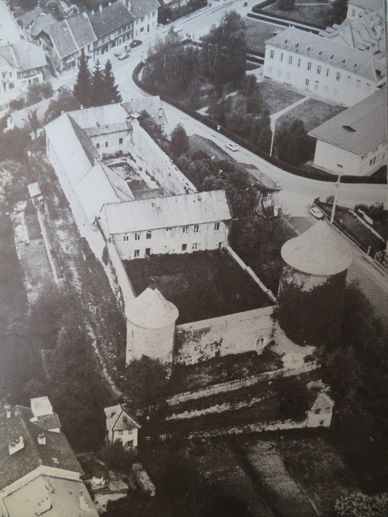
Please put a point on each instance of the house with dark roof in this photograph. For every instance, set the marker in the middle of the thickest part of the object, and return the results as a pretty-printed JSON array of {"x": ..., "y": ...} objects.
[
  {"x": 38, "y": 469},
  {"x": 121, "y": 426},
  {"x": 21, "y": 65},
  {"x": 355, "y": 141},
  {"x": 322, "y": 67}
]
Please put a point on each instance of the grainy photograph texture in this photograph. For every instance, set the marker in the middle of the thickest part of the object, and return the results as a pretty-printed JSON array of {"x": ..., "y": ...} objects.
[{"x": 193, "y": 258}]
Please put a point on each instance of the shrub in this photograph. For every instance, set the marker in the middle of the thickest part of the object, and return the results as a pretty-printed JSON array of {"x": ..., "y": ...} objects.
[
  {"x": 116, "y": 456},
  {"x": 285, "y": 5}
]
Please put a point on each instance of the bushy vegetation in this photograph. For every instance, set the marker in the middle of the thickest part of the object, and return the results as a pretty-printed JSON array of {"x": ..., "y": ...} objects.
[
  {"x": 115, "y": 456},
  {"x": 358, "y": 504},
  {"x": 146, "y": 380},
  {"x": 292, "y": 143}
]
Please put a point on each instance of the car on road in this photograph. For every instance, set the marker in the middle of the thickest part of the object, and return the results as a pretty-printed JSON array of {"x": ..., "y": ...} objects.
[
  {"x": 177, "y": 29},
  {"x": 231, "y": 147},
  {"x": 135, "y": 43},
  {"x": 316, "y": 212},
  {"x": 123, "y": 55}
]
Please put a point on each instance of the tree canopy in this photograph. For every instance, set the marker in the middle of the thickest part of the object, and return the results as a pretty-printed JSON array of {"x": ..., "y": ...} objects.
[
  {"x": 179, "y": 140},
  {"x": 110, "y": 88},
  {"x": 82, "y": 84},
  {"x": 292, "y": 143},
  {"x": 360, "y": 505},
  {"x": 97, "y": 88}
]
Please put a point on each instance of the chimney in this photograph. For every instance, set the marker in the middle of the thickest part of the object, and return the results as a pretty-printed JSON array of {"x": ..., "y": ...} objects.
[
  {"x": 42, "y": 439},
  {"x": 8, "y": 411},
  {"x": 83, "y": 504},
  {"x": 92, "y": 12},
  {"x": 16, "y": 446},
  {"x": 129, "y": 5},
  {"x": 43, "y": 507},
  {"x": 100, "y": 8}
]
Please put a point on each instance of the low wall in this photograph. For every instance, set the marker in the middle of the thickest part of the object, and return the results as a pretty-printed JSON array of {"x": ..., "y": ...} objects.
[{"x": 232, "y": 334}]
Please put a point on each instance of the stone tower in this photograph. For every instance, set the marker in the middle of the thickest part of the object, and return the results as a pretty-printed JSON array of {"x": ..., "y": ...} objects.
[
  {"x": 312, "y": 285},
  {"x": 150, "y": 326}
]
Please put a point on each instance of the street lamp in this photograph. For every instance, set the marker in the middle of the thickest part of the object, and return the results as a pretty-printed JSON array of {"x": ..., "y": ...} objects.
[
  {"x": 337, "y": 184},
  {"x": 273, "y": 125}
]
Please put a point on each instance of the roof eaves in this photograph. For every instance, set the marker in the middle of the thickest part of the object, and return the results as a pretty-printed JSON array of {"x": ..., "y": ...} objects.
[{"x": 72, "y": 35}]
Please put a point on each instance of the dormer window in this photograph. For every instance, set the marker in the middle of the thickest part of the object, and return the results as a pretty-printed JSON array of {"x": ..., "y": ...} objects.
[
  {"x": 331, "y": 57},
  {"x": 308, "y": 49},
  {"x": 343, "y": 61},
  {"x": 285, "y": 42},
  {"x": 355, "y": 65},
  {"x": 320, "y": 53},
  {"x": 296, "y": 45},
  {"x": 349, "y": 128}
]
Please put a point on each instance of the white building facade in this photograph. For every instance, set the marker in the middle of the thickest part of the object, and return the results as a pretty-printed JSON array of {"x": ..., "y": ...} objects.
[
  {"x": 318, "y": 66},
  {"x": 121, "y": 427}
]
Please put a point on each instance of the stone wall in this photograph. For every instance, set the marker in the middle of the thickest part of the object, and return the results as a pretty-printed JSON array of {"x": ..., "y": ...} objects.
[{"x": 233, "y": 334}]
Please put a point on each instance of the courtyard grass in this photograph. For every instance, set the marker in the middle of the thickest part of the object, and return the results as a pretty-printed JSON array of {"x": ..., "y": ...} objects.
[
  {"x": 309, "y": 14},
  {"x": 312, "y": 113},
  {"x": 276, "y": 98},
  {"x": 203, "y": 285},
  {"x": 257, "y": 33}
]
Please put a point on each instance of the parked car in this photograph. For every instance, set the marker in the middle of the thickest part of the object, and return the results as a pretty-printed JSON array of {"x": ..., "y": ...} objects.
[
  {"x": 116, "y": 54},
  {"x": 135, "y": 43},
  {"x": 316, "y": 212},
  {"x": 123, "y": 55},
  {"x": 177, "y": 29},
  {"x": 231, "y": 147}
]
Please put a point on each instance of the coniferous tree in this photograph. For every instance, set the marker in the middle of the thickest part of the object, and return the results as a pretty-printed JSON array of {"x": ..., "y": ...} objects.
[
  {"x": 111, "y": 90},
  {"x": 82, "y": 85},
  {"x": 97, "y": 97}
]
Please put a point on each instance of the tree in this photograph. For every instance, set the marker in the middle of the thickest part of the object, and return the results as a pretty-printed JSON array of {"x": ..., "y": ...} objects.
[
  {"x": 361, "y": 505},
  {"x": 111, "y": 90},
  {"x": 285, "y": 5},
  {"x": 139, "y": 373},
  {"x": 294, "y": 398},
  {"x": 97, "y": 96},
  {"x": 64, "y": 102},
  {"x": 34, "y": 121},
  {"x": 292, "y": 143},
  {"x": 83, "y": 82},
  {"x": 179, "y": 141},
  {"x": 116, "y": 456},
  {"x": 338, "y": 11},
  {"x": 38, "y": 92}
]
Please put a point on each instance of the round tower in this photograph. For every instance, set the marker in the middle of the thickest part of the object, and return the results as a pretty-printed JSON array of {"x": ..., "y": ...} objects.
[
  {"x": 312, "y": 286},
  {"x": 150, "y": 326}
]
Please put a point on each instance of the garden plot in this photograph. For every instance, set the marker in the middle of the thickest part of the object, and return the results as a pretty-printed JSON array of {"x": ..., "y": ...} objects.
[
  {"x": 303, "y": 12},
  {"x": 312, "y": 113},
  {"x": 276, "y": 98}
]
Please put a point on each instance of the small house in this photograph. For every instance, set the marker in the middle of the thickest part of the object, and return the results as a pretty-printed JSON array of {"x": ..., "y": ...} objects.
[
  {"x": 121, "y": 426},
  {"x": 321, "y": 413}
]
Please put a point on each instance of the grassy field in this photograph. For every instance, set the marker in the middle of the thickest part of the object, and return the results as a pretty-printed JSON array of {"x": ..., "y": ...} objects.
[
  {"x": 202, "y": 285},
  {"x": 314, "y": 14},
  {"x": 276, "y": 97},
  {"x": 257, "y": 33},
  {"x": 312, "y": 112}
]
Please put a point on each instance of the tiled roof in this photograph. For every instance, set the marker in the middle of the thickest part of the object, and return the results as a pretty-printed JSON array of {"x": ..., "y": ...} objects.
[
  {"x": 81, "y": 30},
  {"x": 151, "y": 310},
  {"x": 23, "y": 55},
  {"x": 20, "y": 118},
  {"x": 85, "y": 142},
  {"x": 110, "y": 18},
  {"x": 167, "y": 212},
  {"x": 322, "y": 401},
  {"x": 27, "y": 18},
  {"x": 56, "y": 453},
  {"x": 62, "y": 495},
  {"x": 118, "y": 419},
  {"x": 100, "y": 116},
  {"x": 62, "y": 39},
  {"x": 152, "y": 105},
  {"x": 41, "y": 23},
  {"x": 317, "y": 251},
  {"x": 330, "y": 52},
  {"x": 141, "y": 8},
  {"x": 359, "y": 129}
]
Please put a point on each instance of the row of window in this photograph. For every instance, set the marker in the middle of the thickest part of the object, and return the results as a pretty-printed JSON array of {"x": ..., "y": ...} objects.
[
  {"x": 143, "y": 18},
  {"x": 320, "y": 54},
  {"x": 147, "y": 251},
  {"x": 185, "y": 229},
  {"x": 107, "y": 143}
]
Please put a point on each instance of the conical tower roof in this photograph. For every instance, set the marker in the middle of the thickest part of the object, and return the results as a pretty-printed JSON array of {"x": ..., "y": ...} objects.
[
  {"x": 151, "y": 310},
  {"x": 317, "y": 251}
]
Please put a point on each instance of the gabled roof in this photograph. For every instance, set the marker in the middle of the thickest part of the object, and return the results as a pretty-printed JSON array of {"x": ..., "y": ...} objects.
[
  {"x": 151, "y": 310},
  {"x": 110, "y": 18},
  {"x": 167, "y": 212},
  {"x": 100, "y": 116},
  {"x": 23, "y": 56},
  {"x": 41, "y": 23},
  {"x": 311, "y": 45},
  {"x": 62, "y": 39},
  {"x": 29, "y": 17},
  {"x": 322, "y": 401},
  {"x": 317, "y": 251},
  {"x": 56, "y": 453},
  {"x": 152, "y": 105},
  {"x": 140, "y": 8},
  {"x": 21, "y": 118},
  {"x": 359, "y": 129},
  {"x": 81, "y": 30},
  {"x": 118, "y": 419},
  {"x": 85, "y": 142}
]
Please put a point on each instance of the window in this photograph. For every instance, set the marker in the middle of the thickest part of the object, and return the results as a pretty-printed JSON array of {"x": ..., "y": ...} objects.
[
  {"x": 185, "y": 229},
  {"x": 184, "y": 247},
  {"x": 374, "y": 160},
  {"x": 298, "y": 63},
  {"x": 11, "y": 86},
  {"x": 271, "y": 54},
  {"x": 321, "y": 422},
  {"x": 370, "y": 163},
  {"x": 125, "y": 238},
  {"x": 316, "y": 86},
  {"x": 367, "y": 86},
  {"x": 216, "y": 226},
  {"x": 279, "y": 73},
  {"x": 296, "y": 45},
  {"x": 10, "y": 74},
  {"x": 327, "y": 410},
  {"x": 148, "y": 235},
  {"x": 358, "y": 84},
  {"x": 307, "y": 82},
  {"x": 355, "y": 65},
  {"x": 142, "y": 19},
  {"x": 270, "y": 69},
  {"x": 153, "y": 14},
  {"x": 308, "y": 49},
  {"x": 281, "y": 56},
  {"x": 290, "y": 60},
  {"x": 195, "y": 246},
  {"x": 309, "y": 66},
  {"x": 168, "y": 229},
  {"x": 319, "y": 68},
  {"x": 196, "y": 228},
  {"x": 106, "y": 144},
  {"x": 148, "y": 252},
  {"x": 343, "y": 61},
  {"x": 120, "y": 141},
  {"x": 137, "y": 253},
  {"x": 142, "y": 29},
  {"x": 348, "y": 79},
  {"x": 353, "y": 13},
  {"x": 327, "y": 72},
  {"x": 338, "y": 76},
  {"x": 120, "y": 433},
  {"x": 331, "y": 57},
  {"x": 137, "y": 236},
  {"x": 97, "y": 145},
  {"x": 320, "y": 53},
  {"x": 317, "y": 411}
]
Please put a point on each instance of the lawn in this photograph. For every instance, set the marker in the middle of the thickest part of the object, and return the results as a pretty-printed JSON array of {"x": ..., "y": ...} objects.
[
  {"x": 310, "y": 14},
  {"x": 204, "y": 284},
  {"x": 312, "y": 112},
  {"x": 276, "y": 97},
  {"x": 257, "y": 33}
]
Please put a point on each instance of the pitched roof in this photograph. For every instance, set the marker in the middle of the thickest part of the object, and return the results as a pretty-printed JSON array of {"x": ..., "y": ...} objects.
[
  {"x": 62, "y": 39},
  {"x": 110, "y": 19},
  {"x": 322, "y": 401},
  {"x": 151, "y": 310},
  {"x": 326, "y": 50},
  {"x": 30, "y": 16},
  {"x": 100, "y": 116},
  {"x": 167, "y": 212},
  {"x": 140, "y": 8},
  {"x": 81, "y": 30},
  {"x": 56, "y": 453},
  {"x": 317, "y": 251},
  {"x": 152, "y": 105},
  {"x": 23, "y": 55},
  {"x": 87, "y": 145},
  {"x": 371, "y": 5},
  {"x": 359, "y": 129},
  {"x": 21, "y": 118},
  {"x": 41, "y": 23},
  {"x": 118, "y": 419},
  {"x": 61, "y": 494}
]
